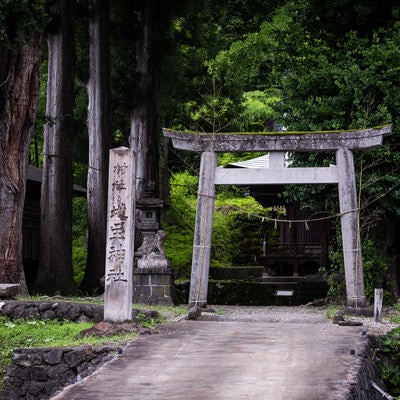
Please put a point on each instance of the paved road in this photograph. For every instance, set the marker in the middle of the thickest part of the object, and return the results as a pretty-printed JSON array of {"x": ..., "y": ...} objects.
[{"x": 254, "y": 354}]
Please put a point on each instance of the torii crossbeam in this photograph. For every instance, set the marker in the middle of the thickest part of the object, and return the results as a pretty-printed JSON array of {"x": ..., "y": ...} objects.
[{"x": 343, "y": 174}]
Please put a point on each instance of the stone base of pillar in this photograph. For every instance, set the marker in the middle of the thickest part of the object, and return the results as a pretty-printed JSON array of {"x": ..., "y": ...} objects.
[
  {"x": 360, "y": 302},
  {"x": 153, "y": 261},
  {"x": 153, "y": 286}
]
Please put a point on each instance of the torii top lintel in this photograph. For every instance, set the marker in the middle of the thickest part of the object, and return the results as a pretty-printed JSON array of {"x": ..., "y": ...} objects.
[{"x": 278, "y": 141}]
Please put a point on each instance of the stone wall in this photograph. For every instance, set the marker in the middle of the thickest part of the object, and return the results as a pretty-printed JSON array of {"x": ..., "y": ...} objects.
[
  {"x": 43, "y": 310},
  {"x": 38, "y": 373}
]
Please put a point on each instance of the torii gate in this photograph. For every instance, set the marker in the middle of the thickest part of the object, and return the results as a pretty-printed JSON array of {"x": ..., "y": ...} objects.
[{"x": 276, "y": 143}]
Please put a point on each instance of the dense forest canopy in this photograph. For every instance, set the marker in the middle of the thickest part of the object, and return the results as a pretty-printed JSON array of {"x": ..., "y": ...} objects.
[{"x": 233, "y": 65}]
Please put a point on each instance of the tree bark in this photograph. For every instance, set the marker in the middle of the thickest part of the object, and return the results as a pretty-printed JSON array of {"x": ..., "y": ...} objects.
[
  {"x": 99, "y": 127},
  {"x": 19, "y": 89},
  {"x": 144, "y": 137},
  {"x": 55, "y": 265}
]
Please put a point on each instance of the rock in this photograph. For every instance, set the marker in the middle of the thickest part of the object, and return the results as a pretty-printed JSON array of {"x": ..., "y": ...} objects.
[
  {"x": 53, "y": 356},
  {"x": 48, "y": 315},
  {"x": 102, "y": 328},
  {"x": 105, "y": 328},
  {"x": 341, "y": 321},
  {"x": 338, "y": 317},
  {"x": 194, "y": 313},
  {"x": 349, "y": 322},
  {"x": 74, "y": 357}
]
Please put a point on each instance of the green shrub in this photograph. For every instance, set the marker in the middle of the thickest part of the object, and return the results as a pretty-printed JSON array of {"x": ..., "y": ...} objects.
[
  {"x": 390, "y": 369},
  {"x": 374, "y": 269}
]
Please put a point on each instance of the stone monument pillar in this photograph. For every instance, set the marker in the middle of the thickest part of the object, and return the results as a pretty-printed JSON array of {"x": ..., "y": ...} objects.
[{"x": 120, "y": 236}]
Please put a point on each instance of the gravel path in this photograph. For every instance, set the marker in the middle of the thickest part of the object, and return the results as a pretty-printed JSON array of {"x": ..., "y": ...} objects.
[{"x": 298, "y": 314}]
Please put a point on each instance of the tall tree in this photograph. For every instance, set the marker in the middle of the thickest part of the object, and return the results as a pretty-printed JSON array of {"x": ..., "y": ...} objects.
[
  {"x": 144, "y": 137},
  {"x": 21, "y": 27},
  {"x": 99, "y": 128},
  {"x": 55, "y": 271}
]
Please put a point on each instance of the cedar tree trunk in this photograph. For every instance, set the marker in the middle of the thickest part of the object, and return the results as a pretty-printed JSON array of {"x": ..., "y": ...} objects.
[
  {"x": 99, "y": 129},
  {"x": 19, "y": 89},
  {"x": 144, "y": 138},
  {"x": 55, "y": 266}
]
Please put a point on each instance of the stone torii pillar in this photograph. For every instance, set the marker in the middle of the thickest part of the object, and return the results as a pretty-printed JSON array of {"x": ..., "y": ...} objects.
[
  {"x": 349, "y": 215},
  {"x": 343, "y": 143},
  {"x": 203, "y": 230}
]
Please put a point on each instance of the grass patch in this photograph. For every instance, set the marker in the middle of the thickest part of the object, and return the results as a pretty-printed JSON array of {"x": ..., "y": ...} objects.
[
  {"x": 166, "y": 312},
  {"x": 89, "y": 300},
  {"x": 395, "y": 316},
  {"x": 332, "y": 310}
]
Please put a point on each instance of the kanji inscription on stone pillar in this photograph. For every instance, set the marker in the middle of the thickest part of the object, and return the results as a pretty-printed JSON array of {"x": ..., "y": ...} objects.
[{"x": 120, "y": 235}]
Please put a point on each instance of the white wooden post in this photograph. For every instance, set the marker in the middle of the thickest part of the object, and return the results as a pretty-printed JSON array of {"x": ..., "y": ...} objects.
[
  {"x": 350, "y": 232},
  {"x": 203, "y": 230},
  {"x": 120, "y": 235},
  {"x": 378, "y": 301}
]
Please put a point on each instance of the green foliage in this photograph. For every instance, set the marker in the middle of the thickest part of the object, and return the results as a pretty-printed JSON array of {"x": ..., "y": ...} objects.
[
  {"x": 235, "y": 218},
  {"x": 331, "y": 311},
  {"x": 258, "y": 111},
  {"x": 396, "y": 317},
  {"x": 223, "y": 242},
  {"x": 390, "y": 369},
  {"x": 334, "y": 272},
  {"x": 391, "y": 342},
  {"x": 213, "y": 112},
  {"x": 374, "y": 266},
  {"x": 391, "y": 376},
  {"x": 178, "y": 222},
  {"x": 24, "y": 16},
  {"x": 332, "y": 81},
  {"x": 79, "y": 237}
]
